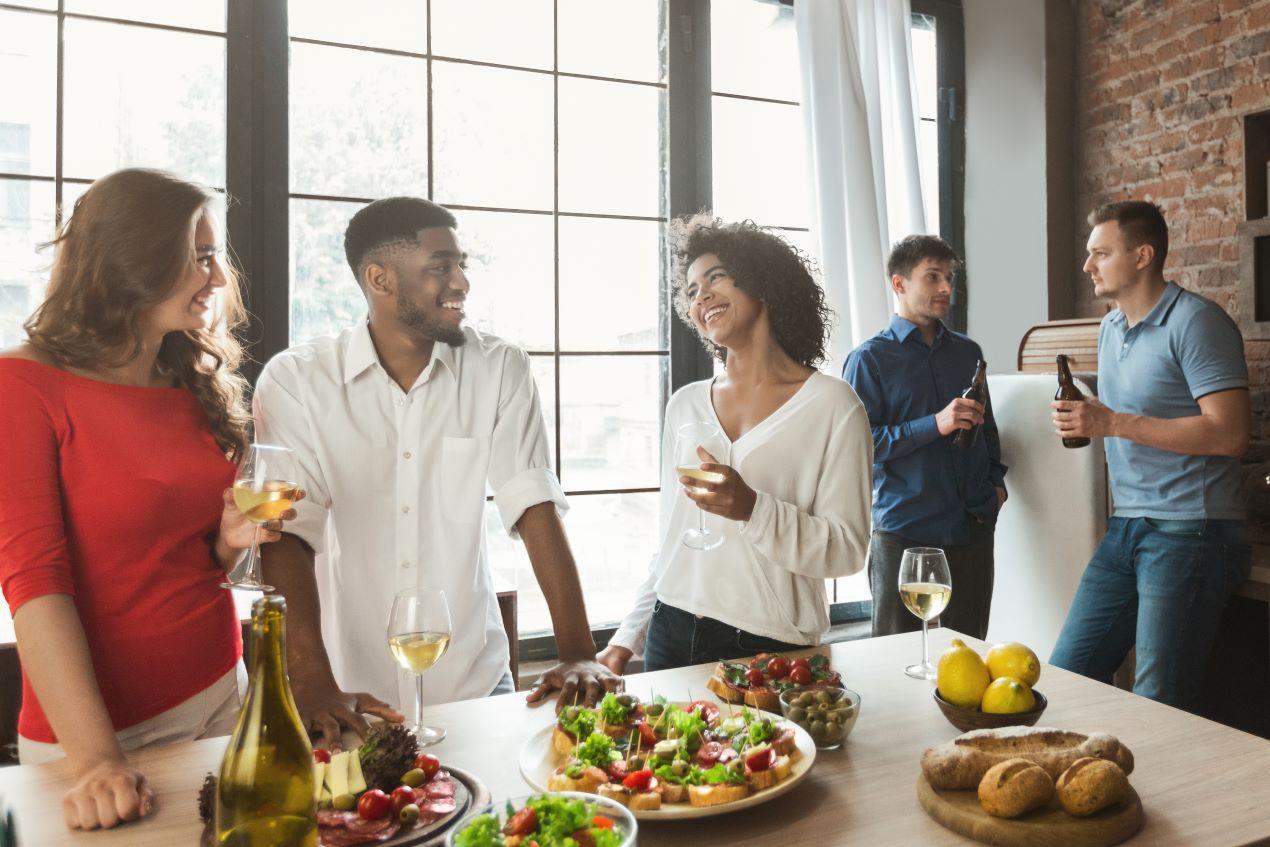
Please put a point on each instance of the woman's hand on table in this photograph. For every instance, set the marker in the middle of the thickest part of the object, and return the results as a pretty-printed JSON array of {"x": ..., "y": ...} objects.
[
  {"x": 731, "y": 498},
  {"x": 615, "y": 658},
  {"x": 106, "y": 794},
  {"x": 236, "y": 533},
  {"x": 581, "y": 682}
]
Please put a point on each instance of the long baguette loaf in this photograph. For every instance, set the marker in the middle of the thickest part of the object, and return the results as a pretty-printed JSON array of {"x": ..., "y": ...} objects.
[{"x": 962, "y": 762}]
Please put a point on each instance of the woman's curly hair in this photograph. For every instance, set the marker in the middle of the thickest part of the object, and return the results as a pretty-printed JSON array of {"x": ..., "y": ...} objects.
[{"x": 763, "y": 265}]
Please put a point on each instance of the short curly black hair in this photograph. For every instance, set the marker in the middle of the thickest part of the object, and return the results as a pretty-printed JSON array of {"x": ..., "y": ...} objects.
[{"x": 763, "y": 265}]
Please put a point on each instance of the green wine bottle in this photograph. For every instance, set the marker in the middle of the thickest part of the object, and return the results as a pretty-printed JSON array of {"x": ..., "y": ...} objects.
[{"x": 265, "y": 792}]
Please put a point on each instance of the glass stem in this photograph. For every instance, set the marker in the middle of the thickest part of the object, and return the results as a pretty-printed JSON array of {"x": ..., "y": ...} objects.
[
  {"x": 419, "y": 700},
  {"x": 925, "y": 655},
  {"x": 701, "y": 522},
  {"x": 252, "y": 574}
]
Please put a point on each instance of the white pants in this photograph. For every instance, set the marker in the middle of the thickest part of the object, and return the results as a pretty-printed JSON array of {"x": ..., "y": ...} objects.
[{"x": 209, "y": 713}]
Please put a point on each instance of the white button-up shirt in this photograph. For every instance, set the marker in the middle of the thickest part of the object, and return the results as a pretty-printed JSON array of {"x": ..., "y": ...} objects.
[{"x": 396, "y": 486}]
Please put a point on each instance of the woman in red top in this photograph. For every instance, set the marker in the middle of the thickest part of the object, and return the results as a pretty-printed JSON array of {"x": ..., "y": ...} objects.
[{"x": 122, "y": 417}]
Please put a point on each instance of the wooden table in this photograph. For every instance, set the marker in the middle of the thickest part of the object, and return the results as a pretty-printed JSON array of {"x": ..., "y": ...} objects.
[{"x": 1200, "y": 782}]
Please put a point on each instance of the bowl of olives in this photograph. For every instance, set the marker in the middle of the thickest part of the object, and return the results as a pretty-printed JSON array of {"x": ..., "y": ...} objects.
[{"x": 828, "y": 714}]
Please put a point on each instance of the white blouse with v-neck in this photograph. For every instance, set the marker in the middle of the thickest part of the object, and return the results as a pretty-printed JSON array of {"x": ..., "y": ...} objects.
[{"x": 810, "y": 462}]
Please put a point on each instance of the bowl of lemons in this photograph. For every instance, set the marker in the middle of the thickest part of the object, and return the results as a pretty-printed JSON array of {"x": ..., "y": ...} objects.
[{"x": 986, "y": 692}]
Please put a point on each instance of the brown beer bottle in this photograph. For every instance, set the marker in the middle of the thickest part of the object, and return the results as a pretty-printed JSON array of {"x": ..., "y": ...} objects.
[
  {"x": 1067, "y": 390},
  {"x": 978, "y": 391}
]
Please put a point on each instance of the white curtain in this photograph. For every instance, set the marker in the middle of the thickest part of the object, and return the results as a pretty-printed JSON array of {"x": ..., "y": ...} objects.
[{"x": 860, "y": 113}]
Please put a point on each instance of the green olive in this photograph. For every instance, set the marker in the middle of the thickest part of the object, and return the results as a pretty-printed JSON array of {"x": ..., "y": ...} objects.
[
  {"x": 822, "y": 708},
  {"x": 344, "y": 802},
  {"x": 833, "y": 732},
  {"x": 816, "y": 728},
  {"x": 414, "y": 777},
  {"x": 571, "y": 713},
  {"x": 806, "y": 699},
  {"x": 625, "y": 700},
  {"x": 823, "y": 696},
  {"x": 679, "y": 767},
  {"x": 654, "y": 710},
  {"x": 409, "y": 814},
  {"x": 797, "y": 714},
  {"x": 832, "y": 718}
]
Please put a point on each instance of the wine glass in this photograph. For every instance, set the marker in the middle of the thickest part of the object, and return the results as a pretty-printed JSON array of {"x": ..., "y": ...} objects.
[
  {"x": 688, "y": 438},
  {"x": 418, "y": 635},
  {"x": 264, "y": 488},
  {"x": 925, "y": 588}
]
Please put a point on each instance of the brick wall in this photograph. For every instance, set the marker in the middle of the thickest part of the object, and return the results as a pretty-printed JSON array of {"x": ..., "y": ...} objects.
[{"x": 1162, "y": 89}]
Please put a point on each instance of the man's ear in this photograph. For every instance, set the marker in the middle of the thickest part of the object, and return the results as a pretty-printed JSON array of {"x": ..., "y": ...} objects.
[
  {"x": 1144, "y": 255},
  {"x": 377, "y": 279},
  {"x": 898, "y": 281}
]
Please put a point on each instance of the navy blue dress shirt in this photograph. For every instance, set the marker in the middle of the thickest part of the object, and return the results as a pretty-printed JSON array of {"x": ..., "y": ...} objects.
[{"x": 924, "y": 487}]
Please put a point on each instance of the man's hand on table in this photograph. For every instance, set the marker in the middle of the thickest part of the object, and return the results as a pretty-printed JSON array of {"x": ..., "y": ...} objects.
[
  {"x": 580, "y": 681},
  {"x": 106, "y": 794},
  {"x": 325, "y": 708}
]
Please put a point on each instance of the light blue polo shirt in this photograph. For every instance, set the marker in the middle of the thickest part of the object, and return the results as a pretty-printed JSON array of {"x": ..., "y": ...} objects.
[{"x": 1186, "y": 347}]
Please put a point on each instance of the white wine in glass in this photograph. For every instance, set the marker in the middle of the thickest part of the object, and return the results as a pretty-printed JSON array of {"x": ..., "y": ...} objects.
[
  {"x": 925, "y": 588},
  {"x": 418, "y": 635},
  {"x": 264, "y": 489},
  {"x": 688, "y": 438}
]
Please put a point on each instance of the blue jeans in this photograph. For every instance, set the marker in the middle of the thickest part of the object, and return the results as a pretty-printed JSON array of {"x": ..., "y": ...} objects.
[
  {"x": 677, "y": 638},
  {"x": 1160, "y": 585}
]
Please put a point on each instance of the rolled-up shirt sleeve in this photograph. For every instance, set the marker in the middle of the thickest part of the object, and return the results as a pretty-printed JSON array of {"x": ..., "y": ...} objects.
[
  {"x": 281, "y": 418},
  {"x": 520, "y": 473},
  {"x": 34, "y": 559}
]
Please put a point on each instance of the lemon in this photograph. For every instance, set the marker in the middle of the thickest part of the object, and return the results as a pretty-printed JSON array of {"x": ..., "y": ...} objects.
[
  {"x": 1007, "y": 696},
  {"x": 1016, "y": 660},
  {"x": 962, "y": 676}
]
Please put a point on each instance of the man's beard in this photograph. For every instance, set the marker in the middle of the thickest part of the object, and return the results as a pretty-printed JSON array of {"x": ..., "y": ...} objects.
[{"x": 409, "y": 313}]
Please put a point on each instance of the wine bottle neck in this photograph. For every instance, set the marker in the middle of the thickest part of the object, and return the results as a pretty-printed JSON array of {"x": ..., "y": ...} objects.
[{"x": 268, "y": 649}]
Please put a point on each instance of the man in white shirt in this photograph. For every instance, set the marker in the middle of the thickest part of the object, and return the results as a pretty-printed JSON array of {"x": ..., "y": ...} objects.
[{"x": 398, "y": 424}]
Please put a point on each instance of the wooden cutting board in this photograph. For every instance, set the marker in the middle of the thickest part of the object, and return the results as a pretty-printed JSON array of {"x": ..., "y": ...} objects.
[{"x": 1048, "y": 827}]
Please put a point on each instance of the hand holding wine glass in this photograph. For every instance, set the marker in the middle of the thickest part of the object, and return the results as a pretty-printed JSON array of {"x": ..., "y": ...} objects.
[
  {"x": 264, "y": 490},
  {"x": 925, "y": 588},
  {"x": 418, "y": 635},
  {"x": 688, "y": 439}
]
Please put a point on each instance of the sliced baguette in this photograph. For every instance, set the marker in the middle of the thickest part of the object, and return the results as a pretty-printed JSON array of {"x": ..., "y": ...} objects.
[
  {"x": 716, "y": 795},
  {"x": 562, "y": 742},
  {"x": 644, "y": 801},
  {"x": 758, "y": 780},
  {"x": 756, "y": 698},
  {"x": 673, "y": 793},
  {"x": 591, "y": 780},
  {"x": 616, "y": 793}
]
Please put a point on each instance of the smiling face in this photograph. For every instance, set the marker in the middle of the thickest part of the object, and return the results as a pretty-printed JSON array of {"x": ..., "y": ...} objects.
[
  {"x": 430, "y": 285},
  {"x": 190, "y": 305},
  {"x": 1112, "y": 264},
  {"x": 719, "y": 309},
  {"x": 925, "y": 295}
]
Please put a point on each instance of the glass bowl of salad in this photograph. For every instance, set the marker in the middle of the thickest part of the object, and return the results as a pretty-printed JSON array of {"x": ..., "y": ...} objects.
[{"x": 547, "y": 819}]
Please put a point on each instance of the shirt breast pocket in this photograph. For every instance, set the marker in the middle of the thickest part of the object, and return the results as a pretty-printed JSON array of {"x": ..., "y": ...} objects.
[{"x": 464, "y": 465}]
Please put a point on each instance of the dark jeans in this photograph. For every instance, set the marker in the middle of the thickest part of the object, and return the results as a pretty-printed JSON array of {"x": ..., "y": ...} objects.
[
  {"x": 971, "y": 568},
  {"x": 1160, "y": 585},
  {"x": 677, "y": 638}
]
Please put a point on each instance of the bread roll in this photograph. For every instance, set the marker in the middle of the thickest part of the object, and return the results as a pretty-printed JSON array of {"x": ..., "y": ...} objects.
[
  {"x": 1015, "y": 787},
  {"x": 1090, "y": 785},
  {"x": 962, "y": 762}
]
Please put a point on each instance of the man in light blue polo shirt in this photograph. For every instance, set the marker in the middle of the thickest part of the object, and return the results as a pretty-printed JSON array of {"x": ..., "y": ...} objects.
[{"x": 1174, "y": 407}]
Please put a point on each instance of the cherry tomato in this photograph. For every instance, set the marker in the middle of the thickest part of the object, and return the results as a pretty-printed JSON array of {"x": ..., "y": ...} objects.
[
  {"x": 427, "y": 763},
  {"x": 760, "y": 761},
  {"x": 778, "y": 667},
  {"x": 647, "y": 734},
  {"x": 602, "y": 822},
  {"x": 800, "y": 663},
  {"x": 374, "y": 805},
  {"x": 755, "y": 678},
  {"x": 320, "y": 755},
  {"x": 706, "y": 710},
  {"x": 522, "y": 823},
  {"x": 757, "y": 661},
  {"x": 800, "y": 676},
  {"x": 638, "y": 780},
  {"x": 709, "y": 754},
  {"x": 401, "y": 796}
]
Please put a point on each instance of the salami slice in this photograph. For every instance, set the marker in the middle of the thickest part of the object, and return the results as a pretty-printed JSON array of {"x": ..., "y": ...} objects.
[
  {"x": 358, "y": 831},
  {"x": 333, "y": 817},
  {"x": 442, "y": 807}
]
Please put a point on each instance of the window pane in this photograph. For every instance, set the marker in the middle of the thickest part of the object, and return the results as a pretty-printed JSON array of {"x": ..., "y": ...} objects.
[
  {"x": 26, "y": 221},
  {"x": 760, "y": 162},
  {"x": 544, "y": 371},
  {"x": 135, "y": 96},
  {"x": 493, "y": 136},
  {"x": 925, "y": 78},
  {"x": 507, "y": 32},
  {"x": 610, "y": 273},
  {"x": 928, "y": 163},
  {"x": 617, "y": 38},
  {"x": 359, "y": 122},
  {"x": 754, "y": 50},
  {"x": 394, "y": 24},
  {"x": 610, "y": 156},
  {"x": 852, "y": 589},
  {"x": 610, "y": 408},
  {"x": 28, "y": 66},
  {"x": 325, "y": 297},
  {"x": 204, "y": 14},
  {"x": 510, "y": 268},
  {"x": 804, "y": 241}
]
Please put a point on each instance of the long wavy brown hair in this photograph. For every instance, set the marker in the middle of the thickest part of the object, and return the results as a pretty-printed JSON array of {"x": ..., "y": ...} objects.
[{"x": 125, "y": 247}]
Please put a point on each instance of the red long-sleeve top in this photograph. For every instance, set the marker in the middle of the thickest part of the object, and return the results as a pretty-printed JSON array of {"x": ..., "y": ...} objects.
[{"x": 112, "y": 494}]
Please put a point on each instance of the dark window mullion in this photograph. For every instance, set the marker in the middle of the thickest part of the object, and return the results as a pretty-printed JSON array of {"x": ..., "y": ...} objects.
[
  {"x": 555, "y": 226},
  {"x": 58, "y": 119}
]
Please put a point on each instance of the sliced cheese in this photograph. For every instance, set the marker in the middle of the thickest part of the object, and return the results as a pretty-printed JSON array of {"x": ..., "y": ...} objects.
[
  {"x": 356, "y": 782},
  {"x": 337, "y": 774},
  {"x": 319, "y": 779}
]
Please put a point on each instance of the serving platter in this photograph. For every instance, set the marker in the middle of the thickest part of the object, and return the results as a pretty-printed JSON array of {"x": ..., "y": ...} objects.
[{"x": 538, "y": 760}]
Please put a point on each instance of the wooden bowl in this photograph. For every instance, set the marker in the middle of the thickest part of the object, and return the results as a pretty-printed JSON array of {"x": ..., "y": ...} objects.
[{"x": 968, "y": 719}]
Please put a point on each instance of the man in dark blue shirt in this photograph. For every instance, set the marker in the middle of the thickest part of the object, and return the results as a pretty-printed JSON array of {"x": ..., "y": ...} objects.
[{"x": 927, "y": 492}]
